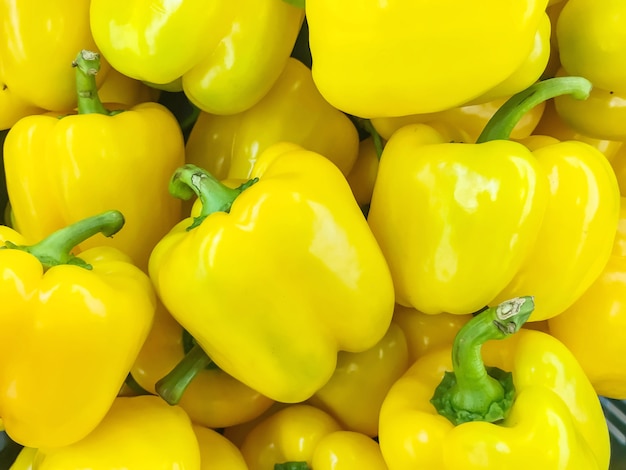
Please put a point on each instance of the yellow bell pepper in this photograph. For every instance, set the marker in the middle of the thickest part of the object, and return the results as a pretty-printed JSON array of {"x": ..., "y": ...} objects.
[
  {"x": 406, "y": 57},
  {"x": 292, "y": 111},
  {"x": 217, "y": 452},
  {"x": 374, "y": 371},
  {"x": 24, "y": 460},
  {"x": 302, "y": 437},
  {"x": 593, "y": 327},
  {"x": 295, "y": 241},
  {"x": 118, "y": 88},
  {"x": 228, "y": 54},
  {"x": 436, "y": 206},
  {"x": 73, "y": 324},
  {"x": 137, "y": 433},
  {"x": 532, "y": 407},
  {"x": 213, "y": 399},
  {"x": 60, "y": 170},
  {"x": 39, "y": 42},
  {"x": 362, "y": 176}
]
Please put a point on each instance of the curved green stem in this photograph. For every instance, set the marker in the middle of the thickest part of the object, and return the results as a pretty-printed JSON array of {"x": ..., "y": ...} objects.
[
  {"x": 190, "y": 180},
  {"x": 291, "y": 466},
  {"x": 473, "y": 392},
  {"x": 173, "y": 385},
  {"x": 56, "y": 248},
  {"x": 506, "y": 118},
  {"x": 87, "y": 65}
]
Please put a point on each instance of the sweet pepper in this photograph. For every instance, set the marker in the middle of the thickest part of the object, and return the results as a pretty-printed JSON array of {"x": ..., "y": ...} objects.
[
  {"x": 292, "y": 111},
  {"x": 436, "y": 206},
  {"x": 39, "y": 42},
  {"x": 532, "y": 405},
  {"x": 406, "y": 57},
  {"x": 72, "y": 324},
  {"x": 286, "y": 253},
  {"x": 60, "y": 170},
  {"x": 226, "y": 56}
]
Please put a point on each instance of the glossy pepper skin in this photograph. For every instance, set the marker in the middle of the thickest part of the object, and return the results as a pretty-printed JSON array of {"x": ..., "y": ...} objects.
[
  {"x": 74, "y": 329},
  {"x": 217, "y": 452},
  {"x": 298, "y": 242},
  {"x": 555, "y": 421},
  {"x": 292, "y": 111},
  {"x": 432, "y": 210},
  {"x": 228, "y": 55},
  {"x": 144, "y": 432},
  {"x": 303, "y": 437},
  {"x": 592, "y": 327},
  {"x": 213, "y": 399},
  {"x": 354, "y": 35},
  {"x": 62, "y": 170},
  {"x": 39, "y": 43},
  {"x": 374, "y": 371}
]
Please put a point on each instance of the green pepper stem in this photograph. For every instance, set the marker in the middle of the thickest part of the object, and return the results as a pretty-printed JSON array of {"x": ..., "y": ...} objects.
[
  {"x": 56, "y": 248},
  {"x": 506, "y": 118},
  {"x": 173, "y": 385},
  {"x": 292, "y": 466},
  {"x": 190, "y": 180},
  {"x": 470, "y": 393},
  {"x": 87, "y": 65}
]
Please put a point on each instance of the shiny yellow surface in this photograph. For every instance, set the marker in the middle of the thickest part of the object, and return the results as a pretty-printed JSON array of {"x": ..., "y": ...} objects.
[
  {"x": 455, "y": 221},
  {"x": 62, "y": 170},
  {"x": 213, "y": 398},
  {"x": 292, "y": 111},
  {"x": 228, "y": 53},
  {"x": 24, "y": 460},
  {"x": 591, "y": 39},
  {"x": 289, "y": 435},
  {"x": 362, "y": 176},
  {"x": 556, "y": 422},
  {"x": 355, "y": 392},
  {"x": 39, "y": 42},
  {"x": 576, "y": 235},
  {"x": 68, "y": 338},
  {"x": 316, "y": 280},
  {"x": 138, "y": 433},
  {"x": 401, "y": 57},
  {"x": 217, "y": 452},
  {"x": 425, "y": 332},
  {"x": 592, "y": 327},
  {"x": 347, "y": 450}
]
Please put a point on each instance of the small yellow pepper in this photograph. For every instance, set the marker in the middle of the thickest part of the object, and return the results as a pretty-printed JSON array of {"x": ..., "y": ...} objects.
[
  {"x": 362, "y": 176},
  {"x": 292, "y": 111},
  {"x": 533, "y": 405},
  {"x": 72, "y": 324},
  {"x": 228, "y": 54},
  {"x": 138, "y": 433},
  {"x": 373, "y": 370},
  {"x": 217, "y": 452},
  {"x": 406, "y": 57},
  {"x": 214, "y": 398},
  {"x": 295, "y": 241},
  {"x": 346, "y": 450}
]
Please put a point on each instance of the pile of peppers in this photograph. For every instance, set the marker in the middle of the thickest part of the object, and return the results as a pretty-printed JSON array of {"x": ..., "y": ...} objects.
[{"x": 278, "y": 235}]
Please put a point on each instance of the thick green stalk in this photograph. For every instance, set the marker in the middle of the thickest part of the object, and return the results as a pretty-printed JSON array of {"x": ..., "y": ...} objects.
[{"x": 87, "y": 65}]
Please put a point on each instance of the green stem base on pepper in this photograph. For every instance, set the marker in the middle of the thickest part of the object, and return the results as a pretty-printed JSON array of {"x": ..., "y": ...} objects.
[
  {"x": 506, "y": 118},
  {"x": 190, "y": 180},
  {"x": 473, "y": 392},
  {"x": 292, "y": 466},
  {"x": 87, "y": 65},
  {"x": 173, "y": 385},
  {"x": 57, "y": 247}
]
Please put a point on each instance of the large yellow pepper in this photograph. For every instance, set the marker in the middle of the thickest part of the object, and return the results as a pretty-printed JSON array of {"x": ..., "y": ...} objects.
[
  {"x": 60, "y": 170},
  {"x": 138, "y": 433},
  {"x": 302, "y": 437},
  {"x": 228, "y": 54},
  {"x": 70, "y": 330},
  {"x": 39, "y": 42},
  {"x": 262, "y": 265},
  {"x": 380, "y": 59},
  {"x": 465, "y": 225},
  {"x": 214, "y": 398},
  {"x": 292, "y": 111},
  {"x": 374, "y": 371},
  {"x": 532, "y": 407}
]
